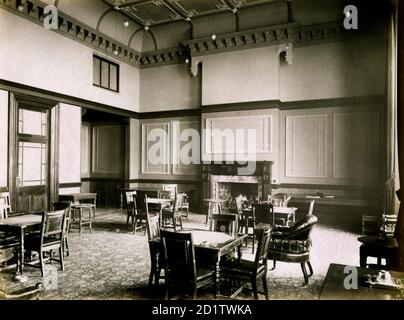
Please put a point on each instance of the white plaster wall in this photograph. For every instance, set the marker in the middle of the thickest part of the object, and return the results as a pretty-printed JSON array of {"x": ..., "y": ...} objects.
[
  {"x": 58, "y": 64},
  {"x": 169, "y": 88},
  {"x": 3, "y": 138},
  {"x": 241, "y": 76},
  {"x": 69, "y": 144}
]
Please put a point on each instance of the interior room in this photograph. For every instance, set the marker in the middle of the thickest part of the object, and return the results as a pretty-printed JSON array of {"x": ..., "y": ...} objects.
[{"x": 199, "y": 149}]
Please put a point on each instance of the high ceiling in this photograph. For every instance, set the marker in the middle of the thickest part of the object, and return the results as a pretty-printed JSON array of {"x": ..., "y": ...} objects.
[{"x": 155, "y": 12}]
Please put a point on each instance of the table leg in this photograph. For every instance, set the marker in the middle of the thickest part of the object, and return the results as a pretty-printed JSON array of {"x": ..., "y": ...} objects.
[
  {"x": 239, "y": 253},
  {"x": 22, "y": 236},
  {"x": 217, "y": 278}
]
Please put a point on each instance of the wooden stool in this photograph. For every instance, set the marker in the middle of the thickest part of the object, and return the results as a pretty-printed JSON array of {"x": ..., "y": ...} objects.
[{"x": 91, "y": 213}]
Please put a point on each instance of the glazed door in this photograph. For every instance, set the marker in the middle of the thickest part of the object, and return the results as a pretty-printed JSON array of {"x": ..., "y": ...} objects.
[{"x": 32, "y": 161}]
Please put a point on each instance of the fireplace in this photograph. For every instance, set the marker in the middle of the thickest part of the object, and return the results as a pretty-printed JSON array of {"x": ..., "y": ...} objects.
[{"x": 222, "y": 182}]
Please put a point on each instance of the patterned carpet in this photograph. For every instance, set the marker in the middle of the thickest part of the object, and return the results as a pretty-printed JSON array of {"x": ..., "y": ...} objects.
[{"x": 112, "y": 264}]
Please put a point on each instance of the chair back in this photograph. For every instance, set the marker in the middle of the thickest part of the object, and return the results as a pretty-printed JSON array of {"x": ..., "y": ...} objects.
[
  {"x": 261, "y": 255},
  {"x": 5, "y": 206},
  {"x": 286, "y": 201},
  {"x": 129, "y": 197},
  {"x": 66, "y": 206},
  {"x": 179, "y": 254},
  {"x": 152, "y": 224},
  {"x": 311, "y": 207},
  {"x": 178, "y": 200},
  {"x": 172, "y": 188},
  {"x": 164, "y": 194},
  {"x": 53, "y": 225},
  {"x": 301, "y": 229},
  {"x": 263, "y": 213},
  {"x": 226, "y": 223}
]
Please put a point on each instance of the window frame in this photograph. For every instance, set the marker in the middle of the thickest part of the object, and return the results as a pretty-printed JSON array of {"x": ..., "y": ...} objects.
[{"x": 109, "y": 63}]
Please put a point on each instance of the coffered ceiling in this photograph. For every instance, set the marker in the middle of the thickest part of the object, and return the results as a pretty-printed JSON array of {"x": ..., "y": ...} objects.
[{"x": 156, "y": 12}]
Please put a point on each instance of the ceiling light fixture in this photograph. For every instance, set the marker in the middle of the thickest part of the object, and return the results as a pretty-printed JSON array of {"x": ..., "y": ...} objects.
[
  {"x": 20, "y": 8},
  {"x": 116, "y": 51},
  {"x": 234, "y": 10},
  {"x": 146, "y": 28},
  {"x": 126, "y": 23},
  {"x": 213, "y": 37}
]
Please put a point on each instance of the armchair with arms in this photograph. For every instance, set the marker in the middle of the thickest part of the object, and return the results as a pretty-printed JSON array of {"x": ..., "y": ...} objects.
[{"x": 292, "y": 244}]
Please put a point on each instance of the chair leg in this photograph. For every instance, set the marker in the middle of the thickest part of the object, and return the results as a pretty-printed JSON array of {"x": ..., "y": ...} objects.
[
  {"x": 167, "y": 291},
  {"x": 265, "y": 286},
  {"x": 180, "y": 222},
  {"x": 62, "y": 264},
  {"x": 134, "y": 226},
  {"x": 274, "y": 265},
  {"x": 306, "y": 278},
  {"x": 67, "y": 246},
  {"x": 310, "y": 268},
  {"x": 41, "y": 262},
  {"x": 194, "y": 292},
  {"x": 127, "y": 220},
  {"x": 254, "y": 288},
  {"x": 91, "y": 220},
  {"x": 174, "y": 224}
]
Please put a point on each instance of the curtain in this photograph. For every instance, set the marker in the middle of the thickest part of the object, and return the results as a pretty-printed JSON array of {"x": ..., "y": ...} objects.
[{"x": 397, "y": 24}]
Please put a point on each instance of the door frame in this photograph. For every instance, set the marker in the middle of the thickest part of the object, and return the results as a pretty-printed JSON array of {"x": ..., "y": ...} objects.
[{"x": 32, "y": 102}]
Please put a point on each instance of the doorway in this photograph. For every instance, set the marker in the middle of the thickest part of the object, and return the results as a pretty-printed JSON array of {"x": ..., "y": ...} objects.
[{"x": 32, "y": 169}]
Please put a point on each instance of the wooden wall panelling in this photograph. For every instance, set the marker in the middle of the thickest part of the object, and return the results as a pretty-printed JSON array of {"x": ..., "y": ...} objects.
[
  {"x": 334, "y": 146},
  {"x": 190, "y": 148},
  {"x": 156, "y": 142},
  {"x": 264, "y": 124},
  {"x": 306, "y": 146},
  {"x": 108, "y": 152},
  {"x": 355, "y": 146}
]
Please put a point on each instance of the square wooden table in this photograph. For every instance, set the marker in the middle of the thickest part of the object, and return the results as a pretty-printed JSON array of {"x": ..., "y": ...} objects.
[
  {"x": 210, "y": 246},
  {"x": 334, "y": 289},
  {"x": 20, "y": 225}
]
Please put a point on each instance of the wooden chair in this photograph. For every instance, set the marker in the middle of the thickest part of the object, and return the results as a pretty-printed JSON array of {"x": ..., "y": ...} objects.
[
  {"x": 129, "y": 199},
  {"x": 292, "y": 244},
  {"x": 382, "y": 246},
  {"x": 181, "y": 268},
  {"x": 155, "y": 247},
  {"x": 5, "y": 206},
  {"x": 171, "y": 216},
  {"x": 249, "y": 271},
  {"x": 226, "y": 223},
  {"x": 263, "y": 218},
  {"x": 50, "y": 238},
  {"x": 67, "y": 207},
  {"x": 185, "y": 206},
  {"x": 138, "y": 218}
]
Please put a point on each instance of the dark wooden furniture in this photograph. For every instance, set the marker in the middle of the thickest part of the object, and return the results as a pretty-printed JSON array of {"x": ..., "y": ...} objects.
[
  {"x": 79, "y": 209},
  {"x": 381, "y": 248},
  {"x": 171, "y": 216},
  {"x": 292, "y": 244},
  {"x": 263, "y": 218},
  {"x": 5, "y": 206},
  {"x": 50, "y": 238},
  {"x": 181, "y": 269},
  {"x": 67, "y": 207},
  {"x": 138, "y": 218},
  {"x": 211, "y": 246},
  {"x": 157, "y": 262},
  {"x": 247, "y": 270},
  {"x": 226, "y": 223},
  {"x": 79, "y": 198},
  {"x": 213, "y": 206},
  {"x": 21, "y": 225},
  {"x": 333, "y": 285}
]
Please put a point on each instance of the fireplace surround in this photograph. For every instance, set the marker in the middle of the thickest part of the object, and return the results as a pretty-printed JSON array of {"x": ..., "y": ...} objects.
[{"x": 221, "y": 181}]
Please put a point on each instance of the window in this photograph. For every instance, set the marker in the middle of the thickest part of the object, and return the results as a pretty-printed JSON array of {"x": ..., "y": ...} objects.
[
  {"x": 32, "y": 147},
  {"x": 105, "y": 74}
]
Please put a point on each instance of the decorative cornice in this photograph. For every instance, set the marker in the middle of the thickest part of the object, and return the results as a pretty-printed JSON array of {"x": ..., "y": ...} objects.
[
  {"x": 290, "y": 35},
  {"x": 163, "y": 57},
  {"x": 246, "y": 39},
  {"x": 73, "y": 29}
]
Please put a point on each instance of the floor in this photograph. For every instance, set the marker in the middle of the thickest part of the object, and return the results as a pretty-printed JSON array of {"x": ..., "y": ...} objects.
[{"x": 113, "y": 263}]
